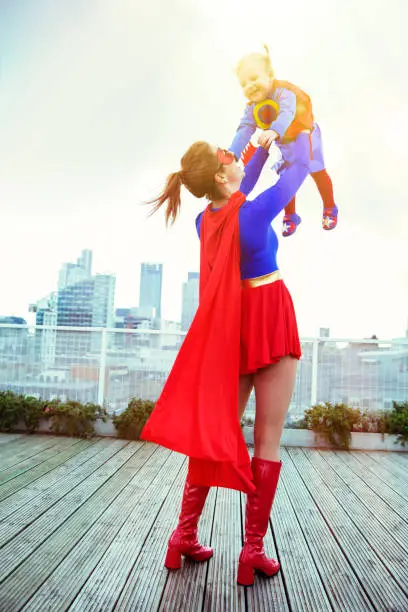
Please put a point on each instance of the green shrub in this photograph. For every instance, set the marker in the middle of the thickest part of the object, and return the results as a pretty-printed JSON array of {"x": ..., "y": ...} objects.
[
  {"x": 246, "y": 421},
  {"x": 396, "y": 422},
  {"x": 333, "y": 422},
  {"x": 371, "y": 422},
  {"x": 15, "y": 408},
  {"x": 31, "y": 411},
  {"x": 131, "y": 421},
  {"x": 9, "y": 411},
  {"x": 73, "y": 418}
]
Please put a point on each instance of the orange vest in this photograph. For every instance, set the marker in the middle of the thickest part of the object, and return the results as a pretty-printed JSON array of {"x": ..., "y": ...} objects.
[{"x": 304, "y": 113}]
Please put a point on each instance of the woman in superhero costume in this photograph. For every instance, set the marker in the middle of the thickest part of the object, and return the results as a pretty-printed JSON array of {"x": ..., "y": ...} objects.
[{"x": 244, "y": 336}]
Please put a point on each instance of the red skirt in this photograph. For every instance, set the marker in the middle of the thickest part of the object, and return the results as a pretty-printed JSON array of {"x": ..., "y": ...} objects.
[{"x": 268, "y": 326}]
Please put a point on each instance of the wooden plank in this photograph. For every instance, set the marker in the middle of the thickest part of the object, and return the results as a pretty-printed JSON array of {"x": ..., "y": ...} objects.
[
  {"x": 44, "y": 515},
  {"x": 380, "y": 488},
  {"x": 222, "y": 592},
  {"x": 395, "y": 468},
  {"x": 379, "y": 471},
  {"x": 378, "y": 561},
  {"x": 6, "y": 438},
  {"x": 343, "y": 589},
  {"x": 132, "y": 568},
  {"x": 401, "y": 458},
  {"x": 67, "y": 474},
  {"x": 304, "y": 587},
  {"x": 383, "y": 511},
  {"x": 23, "y": 449},
  {"x": 44, "y": 559},
  {"x": 126, "y": 522},
  {"x": 189, "y": 583},
  {"x": 267, "y": 593},
  {"x": 146, "y": 581},
  {"x": 36, "y": 466},
  {"x": 59, "y": 442},
  {"x": 18, "y": 444}
]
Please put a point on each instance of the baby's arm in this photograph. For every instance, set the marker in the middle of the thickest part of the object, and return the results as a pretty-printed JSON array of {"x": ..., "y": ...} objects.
[
  {"x": 287, "y": 110},
  {"x": 246, "y": 128}
]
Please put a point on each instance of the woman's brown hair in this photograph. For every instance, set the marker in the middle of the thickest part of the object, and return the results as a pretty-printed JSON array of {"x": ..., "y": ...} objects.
[{"x": 198, "y": 167}]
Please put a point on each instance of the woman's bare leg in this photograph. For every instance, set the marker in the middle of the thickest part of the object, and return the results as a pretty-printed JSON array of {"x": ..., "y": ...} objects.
[
  {"x": 273, "y": 391},
  {"x": 246, "y": 384}
]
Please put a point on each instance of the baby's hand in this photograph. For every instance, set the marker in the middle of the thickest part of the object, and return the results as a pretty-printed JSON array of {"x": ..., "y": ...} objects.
[{"x": 267, "y": 137}]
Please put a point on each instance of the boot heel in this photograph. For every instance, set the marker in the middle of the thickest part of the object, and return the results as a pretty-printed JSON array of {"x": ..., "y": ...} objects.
[
  {"x": 173, "y": 559},
  {"x": 245, "y": 575}
]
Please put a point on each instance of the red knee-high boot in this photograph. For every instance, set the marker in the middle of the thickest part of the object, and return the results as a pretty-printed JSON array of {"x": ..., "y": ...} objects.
[
  {"x": 183, "y": 540},
  {"x": 258, "y": 509}
]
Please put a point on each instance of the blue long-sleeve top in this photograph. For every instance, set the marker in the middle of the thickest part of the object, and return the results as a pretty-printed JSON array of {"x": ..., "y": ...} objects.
[
  {"x": 258, "y": 241},
  {"x": 286, "y": 100}
]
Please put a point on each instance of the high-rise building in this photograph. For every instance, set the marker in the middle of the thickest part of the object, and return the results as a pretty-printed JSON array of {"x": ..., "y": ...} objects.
[
  {"x": 13, "y": 339},
  {"x": 103, "y": 314},
  {"x": 151, "y": 280},
  {"x": 84, "y": 261},
  {"x": 72, "y": 273},
  {"x": 46, "y": 315},
  {"x": 43, "y": 308},
  {"x": 190, "y": 300},
  {"x": 87, "y": 303},
  {"x": 82, "y": 300},
  {"x": 74, "y": 306}
]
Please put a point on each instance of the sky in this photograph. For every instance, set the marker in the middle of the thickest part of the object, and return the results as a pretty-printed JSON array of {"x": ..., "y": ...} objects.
[{"x": 100, "y": 99}]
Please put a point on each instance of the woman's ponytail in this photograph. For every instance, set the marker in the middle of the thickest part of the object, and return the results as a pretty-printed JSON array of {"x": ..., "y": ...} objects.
[
  {"x": 198, "y": 167},
  {"x": 171, "y": 195}
]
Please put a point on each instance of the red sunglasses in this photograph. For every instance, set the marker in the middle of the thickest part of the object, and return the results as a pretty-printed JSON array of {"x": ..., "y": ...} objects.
[{"x": 225, "y": 157}]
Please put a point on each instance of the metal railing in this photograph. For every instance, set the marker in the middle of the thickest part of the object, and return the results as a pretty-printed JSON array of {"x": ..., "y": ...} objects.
[{"x": 110, "y": 366}]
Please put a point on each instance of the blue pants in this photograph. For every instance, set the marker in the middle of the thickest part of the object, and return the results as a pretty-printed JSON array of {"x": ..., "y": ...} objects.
[{"x": 317, "y": 159}]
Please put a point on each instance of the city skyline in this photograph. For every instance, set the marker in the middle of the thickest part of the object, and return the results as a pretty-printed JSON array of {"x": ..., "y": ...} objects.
[
  {"x": 76, "y": 285},
  {"x": 68, "y": 270},
  {"x": 101, "y": 128}
]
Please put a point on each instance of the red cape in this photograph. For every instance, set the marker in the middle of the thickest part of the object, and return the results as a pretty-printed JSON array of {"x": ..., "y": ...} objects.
[{"x": 197, "y": 411}]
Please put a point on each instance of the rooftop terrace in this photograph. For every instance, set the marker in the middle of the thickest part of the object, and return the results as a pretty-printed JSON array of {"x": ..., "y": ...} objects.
[{"x": 84, "y": 526}]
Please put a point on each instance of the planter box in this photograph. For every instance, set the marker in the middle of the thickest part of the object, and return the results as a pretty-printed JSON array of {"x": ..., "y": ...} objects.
[
  {"x": 101, "y": 429},
  {"x": 308, "y": 439},
  {"x": 290, "y": 437}
]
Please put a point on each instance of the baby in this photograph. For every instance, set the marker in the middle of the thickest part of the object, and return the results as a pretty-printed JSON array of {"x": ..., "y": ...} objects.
[{"x": 282, "y": 110}]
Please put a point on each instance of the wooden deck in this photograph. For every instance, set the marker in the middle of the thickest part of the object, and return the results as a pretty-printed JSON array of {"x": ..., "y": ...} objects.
[{"x": 84, "y": 526}]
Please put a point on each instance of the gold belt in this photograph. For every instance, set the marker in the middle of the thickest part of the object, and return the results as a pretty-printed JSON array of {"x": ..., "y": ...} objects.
[{"x": 258, "y": 281}]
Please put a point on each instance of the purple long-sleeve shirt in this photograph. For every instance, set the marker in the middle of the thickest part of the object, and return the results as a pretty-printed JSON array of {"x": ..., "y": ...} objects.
[
  {"x": 247, "y": 126},
  {"x": 258, "y": 241}
]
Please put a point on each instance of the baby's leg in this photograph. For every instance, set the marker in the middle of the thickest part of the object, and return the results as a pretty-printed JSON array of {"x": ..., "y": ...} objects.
[
  {"x": 323, "y": 181},
  {"x": 325, "y": 187},
  {"x": 290, "y": 209},
  {"x": 291, "y": 219}
]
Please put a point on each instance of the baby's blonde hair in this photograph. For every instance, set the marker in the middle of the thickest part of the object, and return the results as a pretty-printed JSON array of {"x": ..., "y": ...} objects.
[{"x": 265, "y": 58}]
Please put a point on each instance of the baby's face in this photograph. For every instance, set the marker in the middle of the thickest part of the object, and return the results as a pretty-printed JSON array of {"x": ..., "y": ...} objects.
[{"x": 255, "y": 80}]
